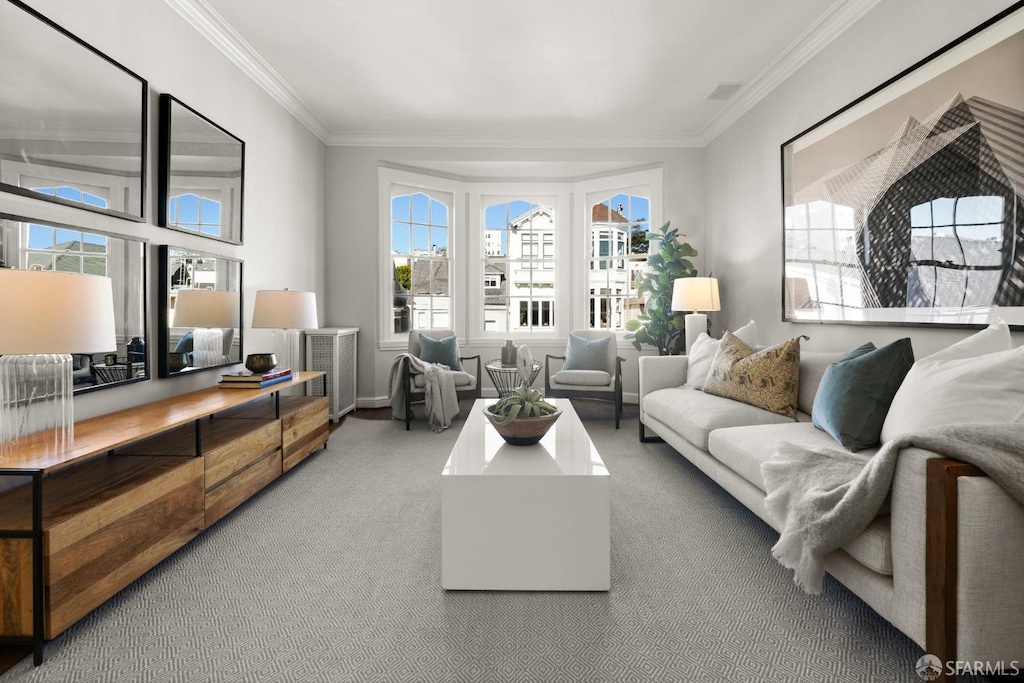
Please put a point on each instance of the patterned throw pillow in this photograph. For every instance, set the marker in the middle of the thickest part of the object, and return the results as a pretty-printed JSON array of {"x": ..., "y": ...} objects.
[{"x": 768, "y": 379}]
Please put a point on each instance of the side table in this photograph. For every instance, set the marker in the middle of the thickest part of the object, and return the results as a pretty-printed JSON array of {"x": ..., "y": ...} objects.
[{"x": 506, "y": 378}]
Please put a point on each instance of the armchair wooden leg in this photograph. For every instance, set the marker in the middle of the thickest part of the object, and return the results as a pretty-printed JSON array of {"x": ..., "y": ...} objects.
[{"x": 618, "y": 410}]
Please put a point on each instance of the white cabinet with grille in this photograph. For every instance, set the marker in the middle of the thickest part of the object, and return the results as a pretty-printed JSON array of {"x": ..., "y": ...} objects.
[{"x": 333, "y": 350}]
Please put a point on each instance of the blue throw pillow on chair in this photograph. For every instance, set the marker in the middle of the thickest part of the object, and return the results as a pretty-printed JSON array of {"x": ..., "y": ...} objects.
[
  {"x": 441, "y": 351},
  {"x": 586, "y": 354},
  {"x": 855, "y": 393}
]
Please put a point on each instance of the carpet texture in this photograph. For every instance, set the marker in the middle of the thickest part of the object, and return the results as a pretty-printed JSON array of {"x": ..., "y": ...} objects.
[{"x": 332, "y": 573}]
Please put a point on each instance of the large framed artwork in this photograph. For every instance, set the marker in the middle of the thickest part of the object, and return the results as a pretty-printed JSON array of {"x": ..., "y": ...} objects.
[{"x": 906, "y": 207}]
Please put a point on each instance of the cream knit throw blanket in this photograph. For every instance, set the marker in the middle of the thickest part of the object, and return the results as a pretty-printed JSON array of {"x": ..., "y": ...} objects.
[
  {"x": 823, "y": 498},
  {"x": 441, "y": 399}
]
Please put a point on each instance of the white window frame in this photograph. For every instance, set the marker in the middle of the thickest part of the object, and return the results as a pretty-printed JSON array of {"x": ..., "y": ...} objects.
[
  {"x": 555, "y": 195},
  {"x": 648, "y": 183},
  {"x": 451, "y": 193}
]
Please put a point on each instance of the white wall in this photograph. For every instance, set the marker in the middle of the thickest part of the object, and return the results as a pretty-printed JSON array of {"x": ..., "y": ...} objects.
[
  {"x": 352, "y": 224},
  {"x": 284, "y": 171},
  {"x": 744, "y": 192}
]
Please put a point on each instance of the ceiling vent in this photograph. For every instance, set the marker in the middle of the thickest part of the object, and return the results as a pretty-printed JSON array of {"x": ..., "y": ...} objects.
[{"x": 724, "y": 91}]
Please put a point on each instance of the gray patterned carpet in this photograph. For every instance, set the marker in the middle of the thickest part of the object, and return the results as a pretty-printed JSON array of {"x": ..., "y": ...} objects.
[{"x": 332, "y": 574}]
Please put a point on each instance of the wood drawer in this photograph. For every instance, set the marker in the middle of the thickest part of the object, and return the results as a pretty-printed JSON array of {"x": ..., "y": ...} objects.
[
  {"x": 248, "y": 445},
  {"x": 96, "y": 551},
  {"x": 304, "y": 430},
  {"x": 15, "y": 587},
  {"x": 239, "y": 488}
]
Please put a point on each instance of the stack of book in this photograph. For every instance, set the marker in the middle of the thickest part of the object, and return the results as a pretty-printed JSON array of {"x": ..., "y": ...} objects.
[{"x": 250, "y": 380}]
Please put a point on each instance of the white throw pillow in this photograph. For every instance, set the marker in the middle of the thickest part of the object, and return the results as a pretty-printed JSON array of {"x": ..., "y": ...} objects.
[
  {"x": 703, "y": 352},
  {"x": 986, "y": 389},
  {"x": 994, "y": 338}
]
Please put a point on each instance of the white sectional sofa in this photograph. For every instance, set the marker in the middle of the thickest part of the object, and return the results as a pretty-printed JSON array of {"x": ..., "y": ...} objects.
[{"x": 981, "y": 618}]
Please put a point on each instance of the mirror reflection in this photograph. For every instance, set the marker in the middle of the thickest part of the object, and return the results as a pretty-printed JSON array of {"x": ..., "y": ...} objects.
[
  {"x": 40, "y": 245},
  {"x": 202, "y": 169},
  {"x": 200, "y": 311},
  {"x": 73, "y": 120}
]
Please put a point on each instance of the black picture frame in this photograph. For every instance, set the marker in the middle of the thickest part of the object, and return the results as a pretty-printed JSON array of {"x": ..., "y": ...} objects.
[
  {"x": 228, "y": 278},
  {"x": 75, "y": 120},
  {"x": 207, "y": 164},
  {"x": 899, "y": 209},
  {"x": 129, "y": 280}
]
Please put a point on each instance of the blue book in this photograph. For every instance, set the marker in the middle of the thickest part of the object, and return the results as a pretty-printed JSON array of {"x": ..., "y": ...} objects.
[{"x": 255, "y": 384}]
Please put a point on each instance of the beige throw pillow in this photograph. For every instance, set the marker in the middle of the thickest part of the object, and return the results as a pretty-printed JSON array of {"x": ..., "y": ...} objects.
[
  {"x": 703, "y": 352},
  {"x": 768, "y": 379}
]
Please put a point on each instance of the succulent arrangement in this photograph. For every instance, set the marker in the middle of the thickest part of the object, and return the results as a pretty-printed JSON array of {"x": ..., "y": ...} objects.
[{"x": 523, "y": 402}]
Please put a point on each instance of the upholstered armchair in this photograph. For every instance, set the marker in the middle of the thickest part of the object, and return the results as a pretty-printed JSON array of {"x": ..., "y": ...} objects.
[
  {"x": 591, "y": 368},
  {"x": 467, "y": 384}
]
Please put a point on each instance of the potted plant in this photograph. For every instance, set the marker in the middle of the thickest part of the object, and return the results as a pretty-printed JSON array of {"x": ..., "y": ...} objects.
[
  {"x": 659, "y": 325},
  {"x": 523, "y": 417}
]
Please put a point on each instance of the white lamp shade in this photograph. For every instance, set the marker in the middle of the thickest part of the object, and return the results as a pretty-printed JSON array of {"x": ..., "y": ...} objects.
[
  {"x": 284, "y": 310},
  {"x": 205, "y": 308},
  {"x": 695, "y": 294},
  {"x": 46, "y": 312}
]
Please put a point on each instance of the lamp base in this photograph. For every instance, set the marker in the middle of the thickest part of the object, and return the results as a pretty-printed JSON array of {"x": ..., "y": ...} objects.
[
  {"x": 695, "y": 324},
  {"x": 36, "y": 405}
]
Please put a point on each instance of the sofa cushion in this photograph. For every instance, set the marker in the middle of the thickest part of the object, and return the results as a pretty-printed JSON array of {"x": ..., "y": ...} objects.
[
  {"x": 982, "y": 390},
  {"x": 703, "y": 352},
  {"x": 767, "y": 379},
  {"x": 743, "y": 449},
  {"x": 462, "y": 379},
  {"x": 856, "y": 392},
  {"x": 694, "y": 414},
  {"x": 592, "y": 378},
  {"x": 813, "y": 365}
]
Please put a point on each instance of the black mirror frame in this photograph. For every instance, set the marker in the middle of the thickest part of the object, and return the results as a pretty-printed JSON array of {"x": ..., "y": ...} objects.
[
  {"x": 144, "y": 128},
  {"x": 144, "y": 243},
  {"x": 163, "y": 334},
  {"x": 164, "y": 168}
]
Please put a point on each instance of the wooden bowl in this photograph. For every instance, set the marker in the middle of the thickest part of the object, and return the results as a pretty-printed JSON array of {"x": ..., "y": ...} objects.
[{"x": 523, "y": 431}]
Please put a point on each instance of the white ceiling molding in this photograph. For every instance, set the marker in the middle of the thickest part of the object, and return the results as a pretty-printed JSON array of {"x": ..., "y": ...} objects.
[
  {"x": 212, "y": 26},
  {"x": 512, "y": 141},
  {"x": 839, "y": 17}
]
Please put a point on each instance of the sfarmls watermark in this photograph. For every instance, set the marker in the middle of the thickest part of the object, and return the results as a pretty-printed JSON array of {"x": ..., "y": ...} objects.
[{"x": 930, "y": 667}]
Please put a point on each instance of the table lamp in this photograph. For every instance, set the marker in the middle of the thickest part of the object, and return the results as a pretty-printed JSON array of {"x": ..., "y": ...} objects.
[
  {"x": 46, "y": 317},
  {"x": 208, "y": 312},
  {"x": 287, "y": 313},
  {"x": 695, "y": 294}
]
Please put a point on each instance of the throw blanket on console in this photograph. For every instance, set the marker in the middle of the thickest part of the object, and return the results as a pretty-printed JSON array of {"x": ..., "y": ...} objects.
[
  {"x": 823, "y": 498},
  {"x": 442, "y": 401}
]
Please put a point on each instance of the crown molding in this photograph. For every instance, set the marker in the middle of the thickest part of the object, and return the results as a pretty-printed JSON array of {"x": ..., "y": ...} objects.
[
  {"x": 512, "y": 141},
  {"x": 214, "y": 28},
  {"x": 839, "y": 17}
]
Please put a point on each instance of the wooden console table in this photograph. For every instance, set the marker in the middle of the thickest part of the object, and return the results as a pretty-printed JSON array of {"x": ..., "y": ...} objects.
[{"x": 137, "y": 485}]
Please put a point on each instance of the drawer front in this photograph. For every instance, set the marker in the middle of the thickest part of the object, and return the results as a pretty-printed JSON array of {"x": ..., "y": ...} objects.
[
  {"x": 238, "y": 489},
  {"x": 299, "y": 451},
  {"x": 132, "y": 533},
  {"x": 224, "y": 462},
  {"x": 297, "y": 426}
]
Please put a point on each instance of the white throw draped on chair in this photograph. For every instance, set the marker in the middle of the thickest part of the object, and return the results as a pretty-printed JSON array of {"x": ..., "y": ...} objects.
[{"x": 441, "y": 399}]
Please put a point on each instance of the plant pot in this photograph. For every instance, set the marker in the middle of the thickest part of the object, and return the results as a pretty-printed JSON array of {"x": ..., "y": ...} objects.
[{"x": 523, "y": 431}]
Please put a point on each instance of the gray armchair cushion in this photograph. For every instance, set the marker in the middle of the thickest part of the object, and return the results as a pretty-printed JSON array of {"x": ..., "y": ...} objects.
[{"x": 590, "y": 378}]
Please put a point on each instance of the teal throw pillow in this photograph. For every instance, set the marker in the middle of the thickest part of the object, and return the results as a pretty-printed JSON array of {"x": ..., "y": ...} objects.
[
  {"x": 586, "y": 354},
  {"x": 441, "y": 351},
  {"x": 855, "y": 393}
]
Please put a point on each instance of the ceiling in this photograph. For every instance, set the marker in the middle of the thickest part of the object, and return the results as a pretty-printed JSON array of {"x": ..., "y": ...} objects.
[{"x": 601, "y": 73}]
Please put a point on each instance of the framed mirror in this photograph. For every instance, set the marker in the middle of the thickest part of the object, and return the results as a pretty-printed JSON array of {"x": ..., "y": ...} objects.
[
  {"x": 200, "y": 321},
  {"x": 73, "y": 129},
  {"x": 202, "y": 173},
  {"x": 43, "y": 245}
]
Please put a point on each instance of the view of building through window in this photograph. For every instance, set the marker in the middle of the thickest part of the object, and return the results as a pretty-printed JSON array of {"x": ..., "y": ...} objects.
[
  {"x": 519, "y": 266},
  {"x": 618, "y": 252},
  {"x": 64, "y": 250},
  {"x": 420, "y": 227}
]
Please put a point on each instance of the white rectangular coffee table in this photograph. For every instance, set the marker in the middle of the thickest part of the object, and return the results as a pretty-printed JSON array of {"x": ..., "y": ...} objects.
[{"x": 525, "y": 517}]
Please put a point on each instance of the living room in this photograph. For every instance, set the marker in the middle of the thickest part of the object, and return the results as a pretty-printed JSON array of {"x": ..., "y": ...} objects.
[{"x": 316, "y": 202}]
